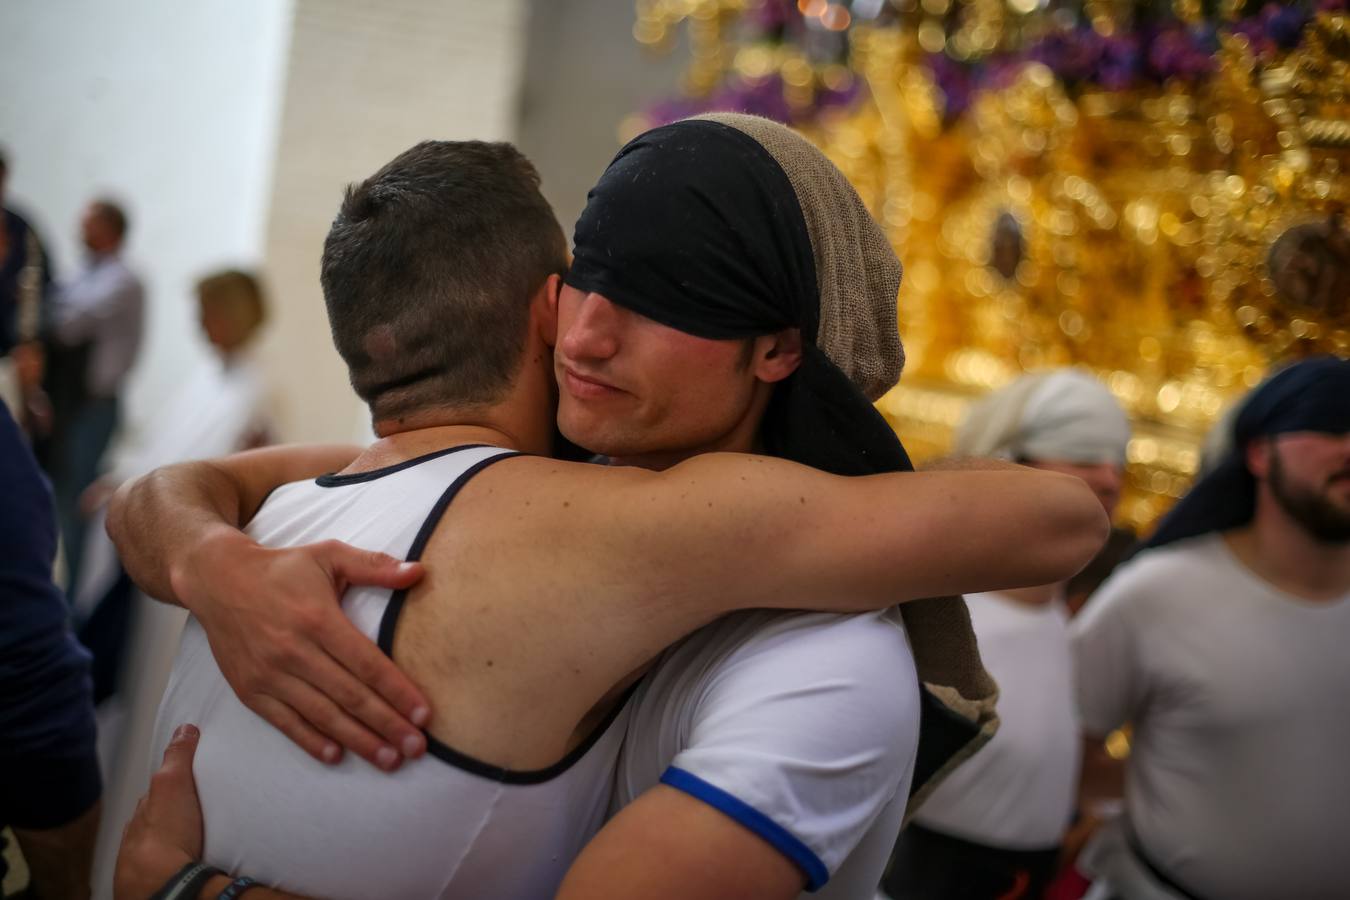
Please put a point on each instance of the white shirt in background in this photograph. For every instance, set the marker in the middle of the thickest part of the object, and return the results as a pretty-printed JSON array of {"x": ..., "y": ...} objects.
[
  {"x": 1239, "y": 774},
  {"x": 1018, "y": 791},
  {"x": 220, "y": 407}
]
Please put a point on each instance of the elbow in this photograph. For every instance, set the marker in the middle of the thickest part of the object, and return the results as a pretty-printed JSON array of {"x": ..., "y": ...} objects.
[
  {"x": 1078, "y": 529},
  {"x": 115, "y": 523}
]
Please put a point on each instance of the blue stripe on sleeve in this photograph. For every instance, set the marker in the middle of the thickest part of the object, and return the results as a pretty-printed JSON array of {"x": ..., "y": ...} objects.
[{"x": 779, "y": 837}]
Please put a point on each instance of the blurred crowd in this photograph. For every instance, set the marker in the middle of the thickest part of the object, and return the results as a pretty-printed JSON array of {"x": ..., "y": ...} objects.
[{"x": 70, "y": 337}]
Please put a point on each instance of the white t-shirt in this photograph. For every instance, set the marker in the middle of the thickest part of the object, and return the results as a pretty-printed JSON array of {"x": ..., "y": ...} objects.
[
  {"x": 216, "y": 409},
  {"x": 1018, "y": 791},
  {"x": 1239, "y": 774},
  {"x": 442, "y": 826},
  {"x": 803, "y": 727}
]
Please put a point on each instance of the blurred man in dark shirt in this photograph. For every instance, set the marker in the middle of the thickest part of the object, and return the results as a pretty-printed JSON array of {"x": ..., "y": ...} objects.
[{"x": 49, "y": 776}]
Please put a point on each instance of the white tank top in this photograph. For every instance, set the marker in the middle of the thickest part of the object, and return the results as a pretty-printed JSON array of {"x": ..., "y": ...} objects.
[{"x": 441, "y": 826}]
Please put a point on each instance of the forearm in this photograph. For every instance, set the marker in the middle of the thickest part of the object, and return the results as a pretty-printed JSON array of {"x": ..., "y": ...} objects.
[
  {"x": 962, "y": 530},
  {"x": 158, "y": 522},
  {"x": 770, "y": 533},
  {"x": 968, "y": 464},
  {"x": 1102, "y": 776}
]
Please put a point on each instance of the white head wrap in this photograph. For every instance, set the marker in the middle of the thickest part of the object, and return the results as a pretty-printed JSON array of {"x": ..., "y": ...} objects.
[{"x": 1063, "y": 415}]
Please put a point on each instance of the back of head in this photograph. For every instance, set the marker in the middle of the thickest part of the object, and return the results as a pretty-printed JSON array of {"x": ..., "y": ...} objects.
[
  {"x": 1062, "y": 415},
  {"x": 427, "y": 274},
  {"x": 113, "y": 215},
  {"x": 234, "y": 300}
]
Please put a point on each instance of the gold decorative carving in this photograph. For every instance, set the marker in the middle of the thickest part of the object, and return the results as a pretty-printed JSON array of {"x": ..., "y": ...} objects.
[{"x": 1176, "y": 240}]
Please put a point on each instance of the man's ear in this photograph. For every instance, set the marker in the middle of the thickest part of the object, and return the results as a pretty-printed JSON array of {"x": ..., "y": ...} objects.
[
  {"x": 1258, "y": 453},
  {"x": 544, "y": 309},
  {"x": 777, "y": 355}
]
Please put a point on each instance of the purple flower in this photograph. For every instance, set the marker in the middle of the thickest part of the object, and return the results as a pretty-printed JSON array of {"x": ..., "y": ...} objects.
[
  {"x": 772, "y": 15},
  {"x": 1284, "y": 24}
]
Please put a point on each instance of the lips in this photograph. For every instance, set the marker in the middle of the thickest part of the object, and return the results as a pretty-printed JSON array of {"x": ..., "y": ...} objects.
[{"x": 587, "y": 387}]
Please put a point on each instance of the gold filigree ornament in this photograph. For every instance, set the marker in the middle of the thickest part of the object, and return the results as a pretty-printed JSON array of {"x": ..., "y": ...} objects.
[
  {"x": 1178, "y": 239},
  {"x": 1282, "y": 246}
]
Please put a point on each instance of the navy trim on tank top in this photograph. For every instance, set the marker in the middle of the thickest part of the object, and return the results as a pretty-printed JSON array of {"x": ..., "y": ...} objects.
[
  {"x": 333, "y": 479},
  {"x": 389, "y": 622}
]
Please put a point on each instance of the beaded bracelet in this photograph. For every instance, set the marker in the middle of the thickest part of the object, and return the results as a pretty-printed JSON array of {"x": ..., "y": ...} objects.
[
  {"x": 187, "y": 883},
  {"x": 236, "y": 887}
]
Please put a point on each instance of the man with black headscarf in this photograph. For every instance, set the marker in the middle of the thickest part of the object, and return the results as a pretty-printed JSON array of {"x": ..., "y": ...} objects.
[
  {"x": 733, "y": 228},
  {"x": 1225, "y": 645}
]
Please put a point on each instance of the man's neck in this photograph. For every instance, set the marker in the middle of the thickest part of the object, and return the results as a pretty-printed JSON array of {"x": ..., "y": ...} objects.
[
  {"x": 410, "y": 444},
  {"x": 523, "y": 420},
  {"x": 1283, "y": 553}
]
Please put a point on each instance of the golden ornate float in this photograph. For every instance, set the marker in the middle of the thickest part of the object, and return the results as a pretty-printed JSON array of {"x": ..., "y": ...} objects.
[{"x": 1177, "y": 235}]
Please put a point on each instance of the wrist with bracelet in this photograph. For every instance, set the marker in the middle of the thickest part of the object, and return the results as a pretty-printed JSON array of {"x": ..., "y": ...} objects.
[{"x": 187, "y": 883}]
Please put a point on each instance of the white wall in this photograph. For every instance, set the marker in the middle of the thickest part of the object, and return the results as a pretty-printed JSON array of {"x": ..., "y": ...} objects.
[
  {"x": 366, "y": 81},
  {"x": 584, "y": 73},
  {"x": 172, "y": 107}
]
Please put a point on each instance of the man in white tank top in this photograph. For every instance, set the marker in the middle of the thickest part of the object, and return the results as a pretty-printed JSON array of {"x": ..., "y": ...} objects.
[{"x": 551, "y": 586}]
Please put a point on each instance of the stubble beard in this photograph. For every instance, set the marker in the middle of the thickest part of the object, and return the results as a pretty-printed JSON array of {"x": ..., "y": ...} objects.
[{"x": 1314, "y": 511}]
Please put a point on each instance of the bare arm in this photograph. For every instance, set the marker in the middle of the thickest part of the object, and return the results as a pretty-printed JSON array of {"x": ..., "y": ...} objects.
[
  {"x": 623, "y": 562},
  {"x": 748, "y": 531},
  {"x": 272, "y": 615},
  {"x": 202, "y": 502},
  {"x": 969, "y": 464},
  {"x": 676, "y": 549},
  {"x": 667, "y": 845}
]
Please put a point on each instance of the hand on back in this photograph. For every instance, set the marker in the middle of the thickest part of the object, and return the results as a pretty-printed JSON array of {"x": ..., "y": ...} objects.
[
  {"x": 165, "y": 833},
  {"x": 282, "y": 642}
]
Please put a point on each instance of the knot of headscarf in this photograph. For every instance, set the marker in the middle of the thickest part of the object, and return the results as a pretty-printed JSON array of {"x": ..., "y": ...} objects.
[
  {"x": 701, "y": 226},
  {"x": 1312, "y": 395}
]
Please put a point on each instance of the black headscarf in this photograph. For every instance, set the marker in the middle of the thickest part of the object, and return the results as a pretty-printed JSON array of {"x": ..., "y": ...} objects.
[
  {"x": 1313, "y": 395},
  {"x": 696, "y": 226}
]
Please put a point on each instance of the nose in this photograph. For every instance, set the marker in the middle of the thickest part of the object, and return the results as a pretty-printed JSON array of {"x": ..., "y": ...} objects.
[{"x": 593, "y": 329}]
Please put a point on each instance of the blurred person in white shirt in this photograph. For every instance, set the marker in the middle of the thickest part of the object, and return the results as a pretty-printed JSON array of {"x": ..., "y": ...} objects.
[
  {"x": 219, "y": 408},
  {"x": 995, "y": 826}
]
